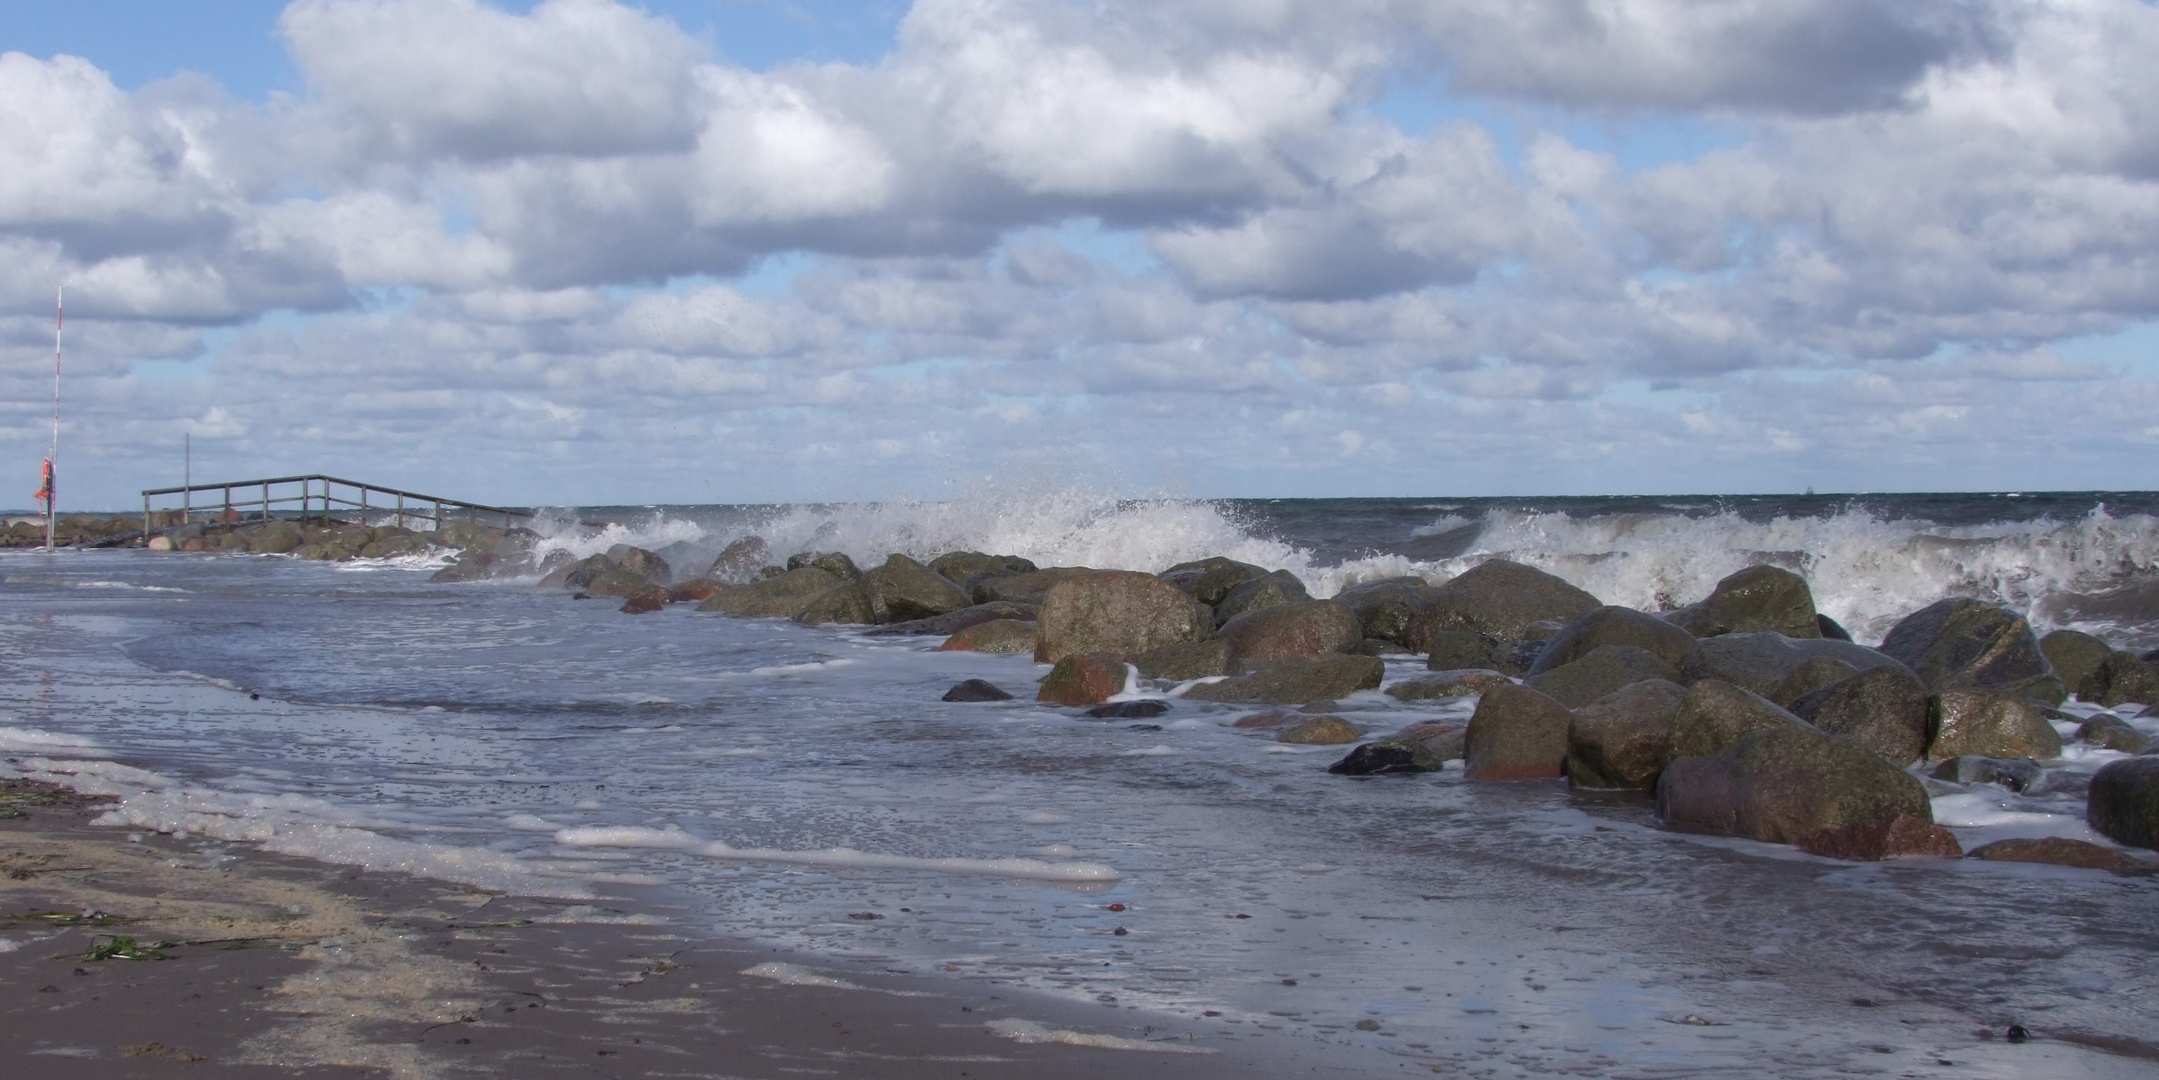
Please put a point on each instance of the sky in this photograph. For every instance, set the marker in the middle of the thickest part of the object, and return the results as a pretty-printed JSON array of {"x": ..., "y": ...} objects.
[{"x": 592, "y": 252}]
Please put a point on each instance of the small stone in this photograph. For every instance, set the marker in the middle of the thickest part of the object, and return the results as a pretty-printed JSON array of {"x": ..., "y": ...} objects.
[
  {"x": 1083, "y": 679},
  {"x": 1130, "y": 710},
  {"x": 1320, "y": 731},
  {"x": 976, "y": 690},
  {"x": 2055, "y": 851},
  {"x": 1901, "y": 837}
]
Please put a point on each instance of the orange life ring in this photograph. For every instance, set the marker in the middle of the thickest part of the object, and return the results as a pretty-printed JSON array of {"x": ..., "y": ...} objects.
[{"x": 44, "y": 491}]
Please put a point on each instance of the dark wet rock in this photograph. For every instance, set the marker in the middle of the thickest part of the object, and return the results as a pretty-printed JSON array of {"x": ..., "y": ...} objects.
[
  {"x": 1187, "y": 660},
  {"x": 1963, "y": 644},
  {"x": 643, "y": 563},
  {"x": 694, "y": 591},
  {"x": 1210, "y": 580},
  {"x": 1775, "y": 666},
  {"x": 1517, "y": 734},
  {"x": 845, "y": 604},
  {"x": 1614, "y": 626},
  {"x": 1543, "y": 630},
  {"x": 1373, "y": 646},
  {"x": 965, "y": 568},
  {"x": 1445, "y": 741},
  {"x": 1621, "y": 739},
  {"x": 1603, "y": 670},
  {"x": 2074, "y": 655},
  {"x": 1831, "y": 628},
  {"x": 781, "y": 596},
  {"x": 2121, "y": 678},
  {"x": 952, "y": 622},
  {"x": 1758, "y": 599},
  {"x": 994, "y": 636},
  {"x": 739, "y": 562},
  {"x": 2016, "y": 774},
  {"x": 835, "y": 563},
  {"x": 976, "y": 690},
  {"x": 1144, "y": 709},
  {"x": 1497, "y": 598},
  {"x": 1885, "y": 710},
  {"x": 1320, "y": 731},
  {"x": 1784, "y": 783},
  {"x": 1456, "y": 650},
  {"x": 1295, "y": 680},
  {"x": 616, "y": 582},
  {"x": 903, "y": 590},
  {"x": 1900, "y": 837},
  {"x": 1083, "y": 679},
  {"x": 1715, "y": 714},
  {"x": 1269, "y": 590},
  {"x": 1117, "y": 613},
  {"x": 1386, "y": 608},
  {"x": 1028, "y": 588},
  {"x": 1989, "y": 723},
  {"x": 2113, "y": 733},
  {"x": 1303, "y": 628},
  {"x": 2056, "y": 851},
  {"x": 1466, "y": 682},
  {"x": 645, "y": 601},
  {"x": 2123, "y": 803},
  {"x": 1387, "y": 756},
  {"x": 578, "y": 574}
]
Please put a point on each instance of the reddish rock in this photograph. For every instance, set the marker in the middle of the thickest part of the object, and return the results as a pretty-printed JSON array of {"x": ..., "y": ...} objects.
[
  {"x": 645, "y": 601},
  {"x": 994, "y": 636},
  {"x": 1901, "y": 837},
  {"x": 1320, "y": 731},
  {"x": 1300, "y": 628},
  {"x": 1115, "y": 613},
  {"x": 1517, "y": 734},
  {"x": 695, "y": 591},
  {"x": 2056, "y": 851},
  {"x": 1085, "y": 679}
]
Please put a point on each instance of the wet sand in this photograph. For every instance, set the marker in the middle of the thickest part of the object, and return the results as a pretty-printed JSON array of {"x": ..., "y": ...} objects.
[{"x": 272, "y": 966}]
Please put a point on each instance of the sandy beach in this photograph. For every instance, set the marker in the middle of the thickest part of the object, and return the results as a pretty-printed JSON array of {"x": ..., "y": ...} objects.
[{"x": 232, "y": 962}]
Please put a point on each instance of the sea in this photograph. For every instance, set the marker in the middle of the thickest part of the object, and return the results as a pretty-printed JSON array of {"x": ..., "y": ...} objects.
[{"x": 806, "y": 789}]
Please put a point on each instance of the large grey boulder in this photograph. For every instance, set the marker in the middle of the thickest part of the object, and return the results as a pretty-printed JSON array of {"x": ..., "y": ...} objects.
[
  {"x": 1028, "y": 588},
  {"x": 1614, "y": 626},
  {"x": 643, "y": 563},
  {"x": 2074, "y": 655},
  {"x": 1116, "y": 613},
  {"x": 1455, "y": 650},
  {"x": 2123, "y": 805},
  {"x": 952, "y": 622},
  {"x": 1296, "y": 681},
  {"x": 1210, "y": 580},
  {"x": 847, "y": 603},
  {"x": 1187, "y": 660},
  {"x": 1963, "y": 644},
  {"x": 1884, "y": 710},
  {"x": 1463, "y": 682},
  {"x": 1779, "y": 667},
  {"x": 1517, "y": 734},
  {"x": 739, "y": 562},
  {"x": 1621, "y": 739},
  {"x": 1386, "y": 608},
  {"x": 1606, "y": 668},
  {"x": 1758, "y": 599},
  {"x": 2016, "y": 774},
  {"x": 964, "y": 568},
  {"x": 1498, "y": 598},
  {"x": 1989, "y": 723},
  {"x": 1715, "y": 714},
  {"x": 2121, "y": 678},
  {"x": 2113, "y": 733},
  {"x": 835, "y": 563},
  {"x": 782, "y": 595},
  {"x": 1785, "y": 784},
  {"x": 1305, "y": 628},
  {"x": 903, "y": 589},
  {"x": 1265, "y": 591},
  {"x": 615, "y": 582}
]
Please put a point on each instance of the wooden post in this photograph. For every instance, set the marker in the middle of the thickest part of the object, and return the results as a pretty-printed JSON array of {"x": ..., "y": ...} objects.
[
  {"x": 266, "y": 502},
  {"x": 146, "y": 520},
  {"x": 400, "y": 509}
]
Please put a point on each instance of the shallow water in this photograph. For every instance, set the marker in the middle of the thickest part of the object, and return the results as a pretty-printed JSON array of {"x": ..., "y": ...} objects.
[{"x": 500, "y": 735}]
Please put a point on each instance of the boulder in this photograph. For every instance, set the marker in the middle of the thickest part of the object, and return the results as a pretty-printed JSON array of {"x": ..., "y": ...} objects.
[
  {"x": 1900, "y": 837},
  {"x": 1386, "y": 608},
  {"x": 952, "y": 622},
  {"x": 643, "y": 563},
  {"x": 835, "y": 563},
  {"x": 903, "y": 589},
  {"x": 1467, "y": 682},
  {"x": 694, "y": 591},
  {"x": 1295, "y": 681},
  {"x": 2121, "y": 678},
  {"x": 645, "y": 601},
  {"x": 1715, "y": 714},
  {"x": 280, "y": 539},
  {"x": 1269, "y": 590},
  {"x": 1188, "y": 660},
  {"x": 976, "y": 690},
  {"x": 964, "y": 568},
  {"x": 1603, "y": 670},
  {"x": 2016, "y": 774},
  {"x": 847, "y": 604},
  {"x": 616, "y": 582},
  {"x": 2113, "y": 733},
  {"x": 1885, "y": 710},
  {"x": 578, "y": 574},
  {"x": 1497, "y": 598},
  {"x": 1268, "y": 718},
  {"x": 1028, "y": 588},
  {"x": 739, "y": 562},
  {"x": 1115, "y": 612},
  {"x": 1620, "y": 740},
  {"x": 2074, "y": 655},
  {"x": 1320, "y": 731},
  {"x": 1963, "y": 644},
  {"x": 1444, "y": 740},
  {"x": 1614, "y": 626},
  {"x": 782, "y": 595},
  {"x": 2055, "y": 851},
  {"x": 1083, "y": 679},
  {"x": 1456, "y": 650},
  {"x": 1303, "y": 628},
  {"x": 2123, "y": 804},
  {"x": 1831, "y": 628},
  {"x": 1210, "y": 580},
  {"x": 1758, "y": 599},
  {"x": 1818, "y": 672},
  {"x": 1517, "y": 734},
  {"x": 1143, "y": 709},
  {"x": 1989, "y": 723},
  {"x": 1785, "y": 783},
  {"x": 1774, "y": 665},
  {"x": 994, "y": 636},
  {"x": 1387, "y": 756}
]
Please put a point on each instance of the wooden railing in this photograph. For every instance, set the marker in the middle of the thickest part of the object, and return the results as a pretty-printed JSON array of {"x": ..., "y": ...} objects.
[{"x": 316, "y": 496}]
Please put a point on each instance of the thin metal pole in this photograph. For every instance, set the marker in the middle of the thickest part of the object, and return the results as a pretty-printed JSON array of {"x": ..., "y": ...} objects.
[
  {"x": 266, "y": 502},
  {"x": 187, "y": 476},
  {"x": 400, "y": 509},
  {"x": 52, "y": 460}
]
